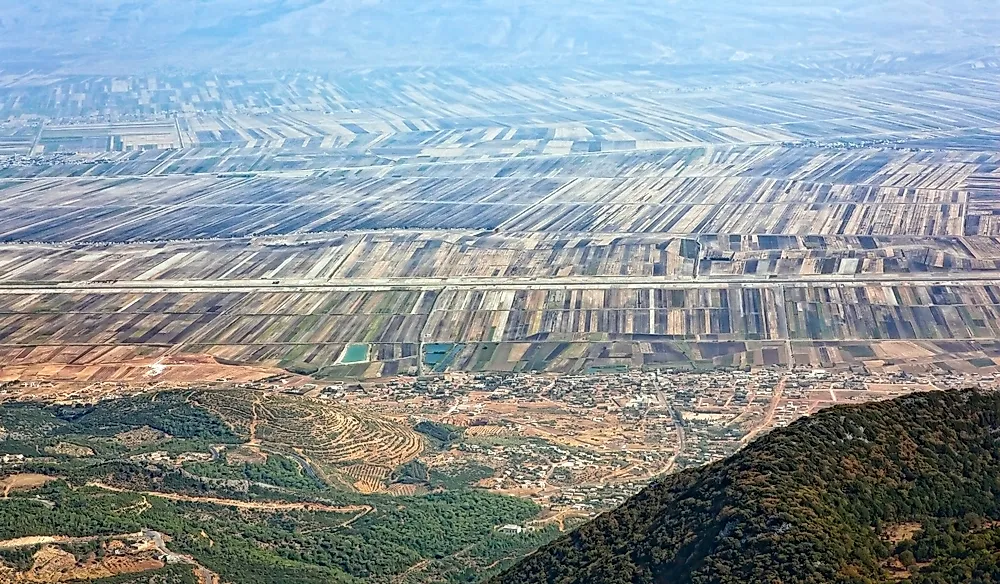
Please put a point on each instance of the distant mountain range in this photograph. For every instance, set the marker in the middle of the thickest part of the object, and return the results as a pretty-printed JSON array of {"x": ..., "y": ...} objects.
[
  {"x": 114, "y": 36},
  {"x": 901, "y": 491}
]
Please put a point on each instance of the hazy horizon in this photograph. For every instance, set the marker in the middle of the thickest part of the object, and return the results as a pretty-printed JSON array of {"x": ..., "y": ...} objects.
[
  {"x": 129, "y": 37},
  {"x": 399, "y": 291}
]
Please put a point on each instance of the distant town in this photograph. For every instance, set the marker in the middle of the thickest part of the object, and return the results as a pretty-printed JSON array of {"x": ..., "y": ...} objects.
[{"x": 580, "y": 444}]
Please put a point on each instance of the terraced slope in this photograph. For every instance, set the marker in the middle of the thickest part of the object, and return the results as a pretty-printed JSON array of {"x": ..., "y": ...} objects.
[{"x": 338, "y": 443}]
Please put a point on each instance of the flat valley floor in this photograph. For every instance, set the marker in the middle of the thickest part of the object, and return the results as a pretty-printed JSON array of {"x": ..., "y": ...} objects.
[{"x": 566, "y": 220}]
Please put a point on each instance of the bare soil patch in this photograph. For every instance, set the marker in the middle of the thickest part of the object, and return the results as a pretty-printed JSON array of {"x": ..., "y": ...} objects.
[
  {"x": 23, "y": 482},
  {"x": 901, "y": 532},
  {"x": 69, "y": 449}
]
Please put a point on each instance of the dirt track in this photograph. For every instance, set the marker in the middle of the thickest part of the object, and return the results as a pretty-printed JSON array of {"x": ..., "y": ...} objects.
[
  {"x": 769, "y": 414},
  {"x": 155, "y": 538},
  {"x": 359, "y": 510},
  {"x": 23, "y": 481}
]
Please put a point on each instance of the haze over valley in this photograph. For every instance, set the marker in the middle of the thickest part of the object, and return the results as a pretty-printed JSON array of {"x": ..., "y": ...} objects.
[{"x": 401, "y": 292}]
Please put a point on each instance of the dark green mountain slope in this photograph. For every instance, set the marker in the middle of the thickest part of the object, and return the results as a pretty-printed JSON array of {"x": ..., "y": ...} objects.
[{"x": 819, "y": 501}]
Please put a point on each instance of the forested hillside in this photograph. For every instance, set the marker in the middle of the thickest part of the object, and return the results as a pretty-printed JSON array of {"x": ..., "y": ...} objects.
[
  {"x": 121, "y": 491},
  {"x": 900, "y": 491}
]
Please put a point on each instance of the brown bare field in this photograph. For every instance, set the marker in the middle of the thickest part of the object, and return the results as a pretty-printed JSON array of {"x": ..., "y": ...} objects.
[
  {"x": 900, "y": 532},
  {"x": 21, "y": 542},
  {"x": 23, "y": 482},
  {"x": 246, "y": 455},
  {"x": 52, "y": 564},
  {"x": 370, "y": 479},
  {"x": 121, "y": 368},
  {"x": 403, "y": 490},
  {"x": 487, "y": 431}
]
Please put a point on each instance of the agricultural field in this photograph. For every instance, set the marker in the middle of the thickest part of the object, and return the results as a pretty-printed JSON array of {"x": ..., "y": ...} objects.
[
  {"x": 185, "y": 228},
  {"x": 108, "y": 334},
  {"x": 404, "y": 320},
  {"x": 340, "y": 446},
  {"x": 365, "y": 243},
  {"x": 734, "y": 190}
]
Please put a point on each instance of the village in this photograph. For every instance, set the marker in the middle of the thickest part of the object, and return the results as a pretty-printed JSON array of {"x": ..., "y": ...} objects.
[
  {"x": 575, "y": 444},
  {"x": 585, "y": 443}
]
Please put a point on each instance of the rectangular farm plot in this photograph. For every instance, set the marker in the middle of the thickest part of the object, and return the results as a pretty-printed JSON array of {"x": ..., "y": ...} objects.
[
  {"x": 111, "y": 137},
  {"x": 351, "y": 256},
  {"x": 747, "y": 218},
  {"x": 178, "y": 208},
  {"x": 904, "y": 312},
  {"x": 526, "y": 315}
]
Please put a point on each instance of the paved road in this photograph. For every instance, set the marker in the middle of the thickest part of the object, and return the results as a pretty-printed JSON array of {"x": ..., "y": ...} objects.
[{"x": 476, "y": 283}]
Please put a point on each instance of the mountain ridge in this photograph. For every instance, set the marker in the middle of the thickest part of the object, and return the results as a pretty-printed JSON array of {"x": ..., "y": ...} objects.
[
  {"x": 809, "y": 503},
  {"x": 123, "y": 36}
]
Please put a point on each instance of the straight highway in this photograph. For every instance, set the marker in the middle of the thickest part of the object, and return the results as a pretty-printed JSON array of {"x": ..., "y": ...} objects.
[{"x": 491, "y": 283}]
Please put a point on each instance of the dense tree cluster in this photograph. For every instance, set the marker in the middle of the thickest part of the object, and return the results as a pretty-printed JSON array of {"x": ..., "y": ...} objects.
[
  {"x": 292, "y": 546},
  {"x": 810, "y": 503},
  {"x": 242, "y": 545},
  {"x": 169, "y": 413},
  {"x": 276, "y": 470},
  {"x": 964, "y": 550},
  {"x": 174, "y": 574},
  {"x": 440, "y": 432}
]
